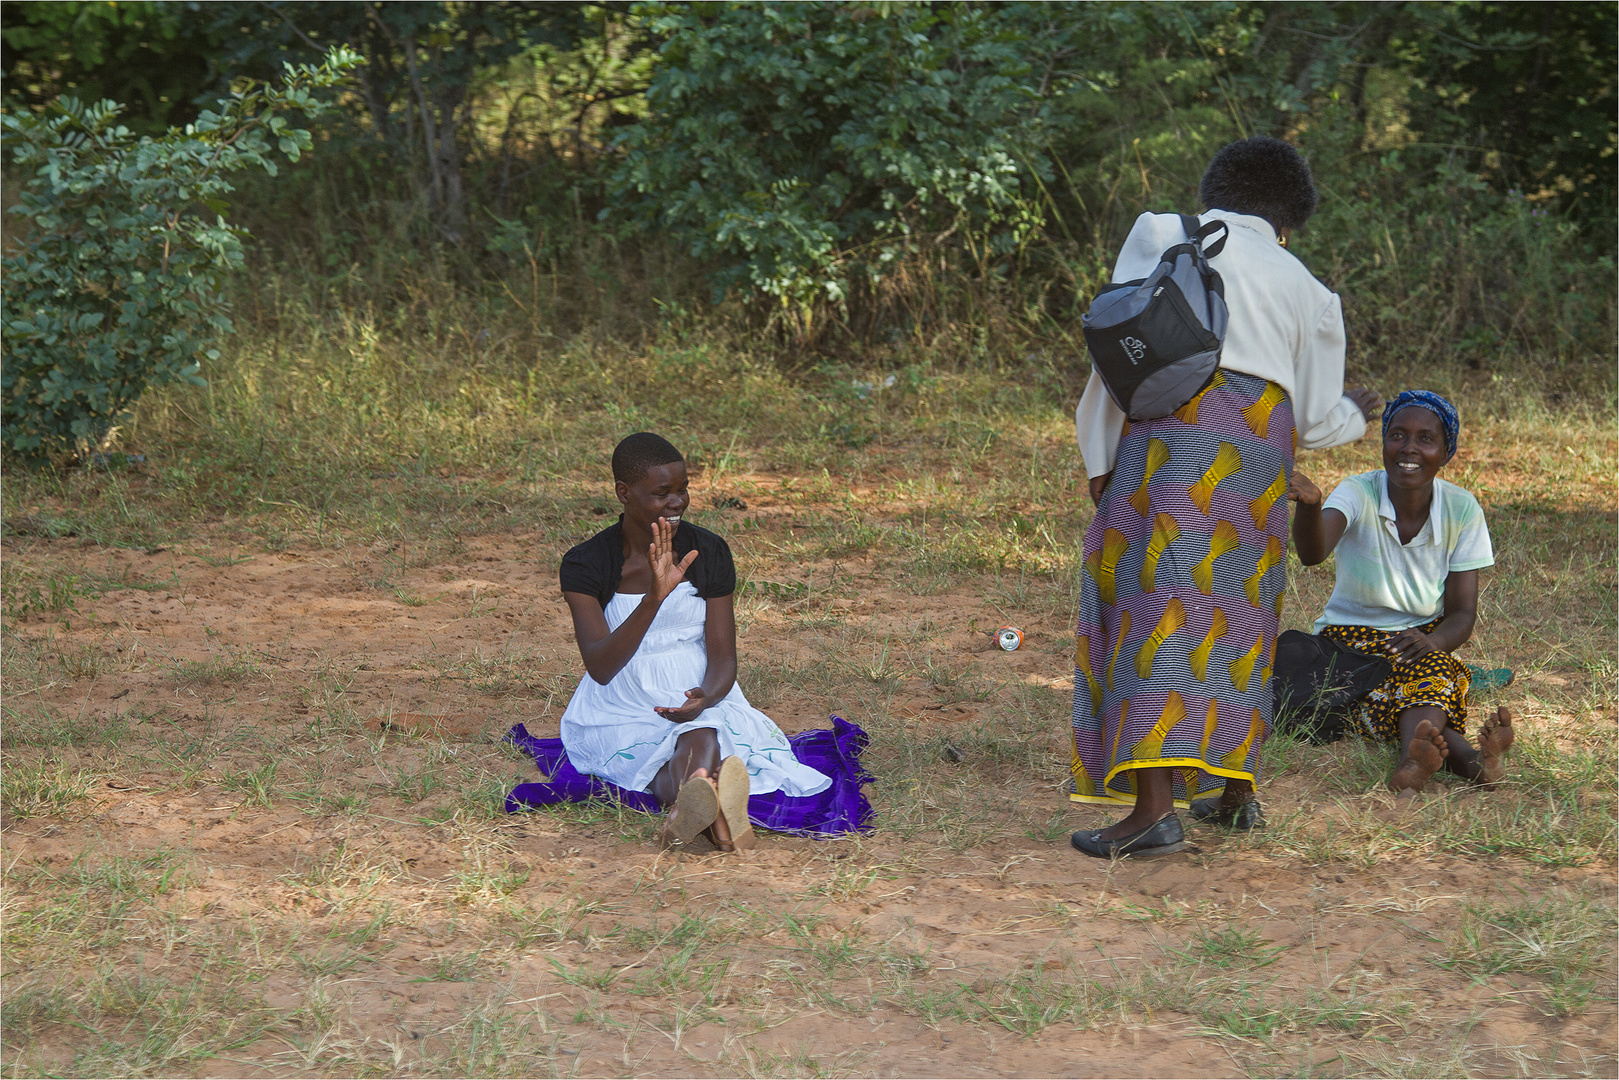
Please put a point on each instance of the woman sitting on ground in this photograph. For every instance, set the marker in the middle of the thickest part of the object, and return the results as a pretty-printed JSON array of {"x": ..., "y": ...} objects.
[
  {"x": 660, "y": 710},
  {"x": 1410, "y": 547}
]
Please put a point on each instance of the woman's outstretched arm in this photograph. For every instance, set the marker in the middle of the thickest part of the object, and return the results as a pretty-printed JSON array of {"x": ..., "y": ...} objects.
[
  {"x": 1315, "y": 532},
  {"x": 719, "y": 635},
  {"x": 606, "y": 652}
]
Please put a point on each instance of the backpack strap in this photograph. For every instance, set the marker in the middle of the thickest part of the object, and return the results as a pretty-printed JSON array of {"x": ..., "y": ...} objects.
[{"x": 1199, "y": 234}]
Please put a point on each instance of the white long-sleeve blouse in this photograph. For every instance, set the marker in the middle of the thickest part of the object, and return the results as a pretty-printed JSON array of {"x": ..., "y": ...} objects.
[{"x": 1285, "y": 326}]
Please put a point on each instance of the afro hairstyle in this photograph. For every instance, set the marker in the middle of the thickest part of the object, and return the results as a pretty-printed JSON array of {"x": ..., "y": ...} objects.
[
  {"x": 1261, "y": 176},
  {"x": 637, "y": 453}
]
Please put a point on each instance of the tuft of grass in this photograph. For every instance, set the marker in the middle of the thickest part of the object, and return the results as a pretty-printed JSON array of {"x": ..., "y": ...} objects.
[
  {"x": 132, "y": 1024},
  {"x": 84, "y": 662},
  {"x": 225, "y": 667},
  {"x": 25, "y": 592},
  {"x": 131, "y": 876},
  {"x": 1564, "y": 940},
  {"x": 413, "y": 784},
  {"x": 486, "y": 877},
  {"x": 256, "y": 786},
  {"x": 46, "y": 788},
  {"x": 30, "y": 1006},
  {"x": 38, "y": 724},
  {"x": 553, "y": 923},
  {"x": 345, "y": 868},
  {"x": 1231, "y": 946},
  {"x": 344, "y": 803}
]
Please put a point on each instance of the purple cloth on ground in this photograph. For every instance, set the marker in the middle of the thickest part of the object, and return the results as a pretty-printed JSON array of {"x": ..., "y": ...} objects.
[{"x": 834, "y": 752}]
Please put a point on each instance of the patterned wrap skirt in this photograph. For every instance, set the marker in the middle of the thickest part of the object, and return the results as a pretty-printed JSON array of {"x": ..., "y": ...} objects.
[
  {"x": 1437, "y": 679},
  {"x": 1184, "y": 574}
]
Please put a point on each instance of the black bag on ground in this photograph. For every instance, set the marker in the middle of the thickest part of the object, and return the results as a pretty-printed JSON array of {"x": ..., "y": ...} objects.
[
  {"x": 1316, "y": 682},
  {"x": 1156, "y": 342}
]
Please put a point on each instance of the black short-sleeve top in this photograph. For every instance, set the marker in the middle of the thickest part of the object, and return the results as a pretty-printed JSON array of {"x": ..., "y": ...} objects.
[{"x": 596, "y": 566}]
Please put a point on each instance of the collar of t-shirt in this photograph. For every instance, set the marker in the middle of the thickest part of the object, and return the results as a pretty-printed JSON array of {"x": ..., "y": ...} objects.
[
  {"x": 1251, "y": 222},
  {"x": 1427, "y": 535}
]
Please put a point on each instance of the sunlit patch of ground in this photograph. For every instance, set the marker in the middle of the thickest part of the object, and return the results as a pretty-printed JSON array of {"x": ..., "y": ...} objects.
[{"x": 252, "y": 794}]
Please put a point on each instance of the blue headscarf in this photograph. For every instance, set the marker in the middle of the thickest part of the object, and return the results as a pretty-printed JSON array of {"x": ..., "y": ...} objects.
[{"x": 1427, "y": 399}]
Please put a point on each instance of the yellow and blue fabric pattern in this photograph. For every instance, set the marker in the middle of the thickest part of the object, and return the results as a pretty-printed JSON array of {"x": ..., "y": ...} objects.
[
  {"x": 1183, "y": 583},
  {"x": 1437, "y": 679}
]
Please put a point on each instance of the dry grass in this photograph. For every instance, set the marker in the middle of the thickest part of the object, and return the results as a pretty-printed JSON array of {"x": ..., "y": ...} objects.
[{"x": 238, "y": 841}]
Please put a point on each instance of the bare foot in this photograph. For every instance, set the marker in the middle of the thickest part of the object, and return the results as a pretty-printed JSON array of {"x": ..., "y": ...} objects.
[
  {"x": 1422, "y": 759},
  {"x": 1494, "y": 740}
]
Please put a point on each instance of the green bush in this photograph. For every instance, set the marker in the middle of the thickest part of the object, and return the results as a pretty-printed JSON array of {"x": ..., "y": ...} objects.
[
  {"x": 118, "y": 283},
  {"x": 805, "y": 146}
]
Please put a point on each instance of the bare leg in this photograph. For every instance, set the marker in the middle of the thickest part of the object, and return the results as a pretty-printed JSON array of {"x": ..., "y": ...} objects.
[
  {"x": 1237, "y": 792},
  {"x": 699, "y": 749},
  {"x": 1463, "y": 757},
  {"x": 1155, "y": 797},
  {"x": 697, "y": 754},
  {"x": 720, "y": 831},
  {"x": 1425, "y": 749}
]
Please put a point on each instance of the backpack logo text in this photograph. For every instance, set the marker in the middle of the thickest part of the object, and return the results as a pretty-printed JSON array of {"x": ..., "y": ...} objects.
[{"x": 1134, "y": 348}]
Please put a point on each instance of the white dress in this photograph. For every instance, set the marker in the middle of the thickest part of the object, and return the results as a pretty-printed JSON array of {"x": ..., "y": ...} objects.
[{"x": 611, "y": 731}]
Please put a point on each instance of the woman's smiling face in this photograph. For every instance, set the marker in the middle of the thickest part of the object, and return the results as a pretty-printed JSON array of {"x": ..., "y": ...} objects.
[
  {"x": 660, "y": 493},
  {"x": 1414, "y": 448}
]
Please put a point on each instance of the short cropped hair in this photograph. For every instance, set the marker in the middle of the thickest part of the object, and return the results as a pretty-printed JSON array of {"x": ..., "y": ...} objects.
[
  {"x": 637, "y": 453},
  {"x": 1261, "y": 176}
]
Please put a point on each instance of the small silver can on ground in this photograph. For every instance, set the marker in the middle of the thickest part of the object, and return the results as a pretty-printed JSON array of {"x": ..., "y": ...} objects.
[{"x": 1009, "y": 638}]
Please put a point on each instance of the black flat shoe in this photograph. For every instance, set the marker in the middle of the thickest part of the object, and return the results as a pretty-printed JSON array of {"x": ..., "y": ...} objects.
[
  {"x": 1245, "y": 818},
  {"x": 1160, "y": 838}
]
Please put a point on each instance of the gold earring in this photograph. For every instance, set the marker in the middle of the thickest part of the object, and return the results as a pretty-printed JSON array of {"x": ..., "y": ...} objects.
[{"x": 1282, "y": 240}]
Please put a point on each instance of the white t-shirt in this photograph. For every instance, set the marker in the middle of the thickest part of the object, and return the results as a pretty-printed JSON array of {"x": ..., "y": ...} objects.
[{"x": 1388, "y": 585}]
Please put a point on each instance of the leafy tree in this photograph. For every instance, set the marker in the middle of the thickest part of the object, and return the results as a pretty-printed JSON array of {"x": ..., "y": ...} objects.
[
  {"x": 1531, "y": 88},
  {"x": 805, "y": 145},
  {"x": 117, "y": 284},
  {"x": 153, "y": 57},
  {"x": 418, "y": 62}
]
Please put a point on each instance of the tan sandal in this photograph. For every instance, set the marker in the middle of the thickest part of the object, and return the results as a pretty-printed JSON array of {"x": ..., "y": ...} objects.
[
  {"x": 733, "y": 802},
  {"x": 695, "y": 809}
]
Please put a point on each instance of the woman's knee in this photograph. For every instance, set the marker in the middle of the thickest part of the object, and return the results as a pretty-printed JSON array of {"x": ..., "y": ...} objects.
[{"x": 701, "y": 747}]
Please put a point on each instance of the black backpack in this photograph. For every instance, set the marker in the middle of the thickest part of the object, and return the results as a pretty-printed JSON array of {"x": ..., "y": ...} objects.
[
  {"x": 1156, "y": 342},
  {"x": 1316, "y": 683}
]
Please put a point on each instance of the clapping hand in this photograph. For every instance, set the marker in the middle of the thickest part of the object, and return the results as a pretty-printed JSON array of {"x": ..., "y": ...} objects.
[
  {"x": 666, "y": 573},
  {"x": 695, "y": 704},
  {"x": 1302, "y": 490}
]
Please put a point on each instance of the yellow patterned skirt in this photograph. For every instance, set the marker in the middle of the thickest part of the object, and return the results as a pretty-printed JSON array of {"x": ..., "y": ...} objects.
[
  {"x": 1184, "y": 576},
  {"x": 1438, "y": 679}
]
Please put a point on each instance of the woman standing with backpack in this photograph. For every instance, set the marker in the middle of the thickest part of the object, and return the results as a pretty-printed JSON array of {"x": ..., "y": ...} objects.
[{"x": 1184, "y": 562}]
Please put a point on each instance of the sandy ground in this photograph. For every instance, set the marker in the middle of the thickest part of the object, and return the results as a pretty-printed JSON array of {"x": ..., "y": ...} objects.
[{"x": 360, "y": 674}]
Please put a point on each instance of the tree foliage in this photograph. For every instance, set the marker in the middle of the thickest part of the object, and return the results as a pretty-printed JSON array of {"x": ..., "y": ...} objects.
[
  {"x": 864, "y": 166},
  {"x": 803, "y": 144},
  {"x": 419, "y": 62},
  {"x": 118, "y": 283},
  {"x": 153, "y": 58}
]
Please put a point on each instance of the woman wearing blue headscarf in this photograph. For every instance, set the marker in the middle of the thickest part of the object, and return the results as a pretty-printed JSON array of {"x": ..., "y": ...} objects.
[{"x": 1409, "y": 548}]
